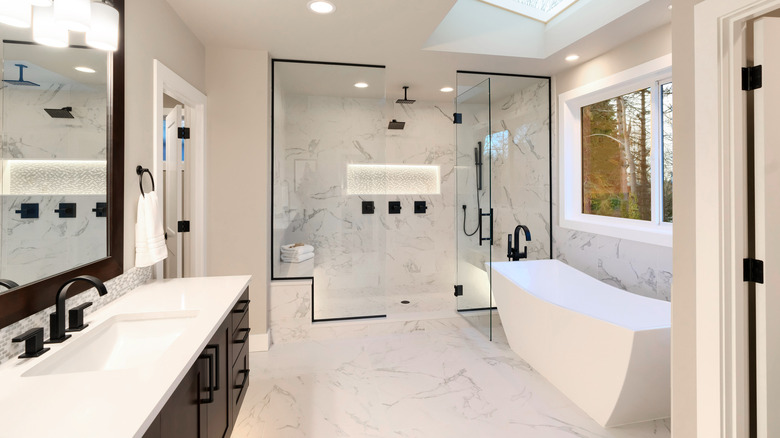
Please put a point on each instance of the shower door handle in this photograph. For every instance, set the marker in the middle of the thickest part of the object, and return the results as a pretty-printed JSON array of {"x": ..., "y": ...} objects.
[{"x": 485, "y": 239}]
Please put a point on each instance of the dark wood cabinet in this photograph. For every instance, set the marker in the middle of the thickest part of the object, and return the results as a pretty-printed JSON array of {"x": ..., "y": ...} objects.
[{"x": 207, "y": 401}]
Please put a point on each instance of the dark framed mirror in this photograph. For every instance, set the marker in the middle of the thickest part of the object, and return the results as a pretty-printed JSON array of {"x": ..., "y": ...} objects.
[{"x": 32, "y": 297}]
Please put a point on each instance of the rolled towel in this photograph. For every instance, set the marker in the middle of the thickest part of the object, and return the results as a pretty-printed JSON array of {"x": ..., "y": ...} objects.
[
  {"x": 293, "y": 250},
  {"x": 298, "y": 259}
]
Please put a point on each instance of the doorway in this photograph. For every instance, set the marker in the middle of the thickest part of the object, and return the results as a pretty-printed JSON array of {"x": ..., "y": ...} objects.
[{"x": 180, "y": 134}]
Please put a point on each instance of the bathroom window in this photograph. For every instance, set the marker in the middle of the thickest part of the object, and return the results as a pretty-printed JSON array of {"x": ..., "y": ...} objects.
[{"x": 617, "y": 154}]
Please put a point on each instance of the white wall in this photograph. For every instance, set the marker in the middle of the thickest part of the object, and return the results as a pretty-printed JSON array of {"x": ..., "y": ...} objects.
[
  {"x": 637, "y": 267},
  {"x": 238, "y": 171},
  {"x": 152, "y": 31}
]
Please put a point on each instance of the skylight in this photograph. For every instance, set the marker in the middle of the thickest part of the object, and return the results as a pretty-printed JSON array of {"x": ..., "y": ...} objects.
[{"x": 540, "y": 10}]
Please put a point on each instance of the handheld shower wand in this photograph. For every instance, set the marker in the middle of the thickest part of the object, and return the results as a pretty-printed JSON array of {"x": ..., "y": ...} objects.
[{"x": 478, "y": 168}]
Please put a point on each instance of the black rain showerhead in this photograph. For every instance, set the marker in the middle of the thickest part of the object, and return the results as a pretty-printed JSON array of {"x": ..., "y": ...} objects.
[
  {"x": 63, "y": 113},
  {"x": 21, "y": 80},
  {"x": 405, "y": 101},
  {"x": 395, "y": 124}
]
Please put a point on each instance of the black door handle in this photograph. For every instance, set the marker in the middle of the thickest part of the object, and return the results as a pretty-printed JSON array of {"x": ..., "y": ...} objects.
[
  {"x": 211, "y": 378},
  {"x": 216, "y": 366},
  {"x": 485, "y": 239}
]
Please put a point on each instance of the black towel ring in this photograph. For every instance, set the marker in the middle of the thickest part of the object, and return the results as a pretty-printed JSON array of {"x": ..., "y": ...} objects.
[{"x": 140, "y": 171}]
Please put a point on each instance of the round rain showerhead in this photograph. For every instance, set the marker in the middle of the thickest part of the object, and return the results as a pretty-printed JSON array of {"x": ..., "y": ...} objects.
[{"x": 405, "y": 101}]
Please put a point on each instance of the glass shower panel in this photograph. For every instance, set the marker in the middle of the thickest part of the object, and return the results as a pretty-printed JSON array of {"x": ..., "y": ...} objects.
[
  {"x": 324, "y": 126},
  {"x": 474, "y": 211}
]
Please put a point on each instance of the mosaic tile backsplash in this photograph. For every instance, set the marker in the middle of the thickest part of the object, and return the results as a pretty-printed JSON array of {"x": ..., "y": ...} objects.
[{"x": 117, "y": 287}]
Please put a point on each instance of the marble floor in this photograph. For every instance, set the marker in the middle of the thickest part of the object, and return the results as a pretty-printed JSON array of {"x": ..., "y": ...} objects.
[{"x": 439, "y": 378}]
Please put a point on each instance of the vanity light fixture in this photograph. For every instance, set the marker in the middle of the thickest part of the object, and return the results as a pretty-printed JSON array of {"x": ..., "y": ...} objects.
[
  {"x": 572, "y": 58},
  {"x": 447, "y": 90},
  {"x": 73, "y": 14},
  {"x": 361, "y": 85},
  {"x": 321, "y": 6},
  {"x": 103, "y": 33},
  {"x": 46, "y": 30},
  {"x": 84, "y": 69},
  {"x": 15, "y": 13}
]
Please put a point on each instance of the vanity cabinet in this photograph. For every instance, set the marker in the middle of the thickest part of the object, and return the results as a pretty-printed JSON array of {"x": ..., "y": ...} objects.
[{"x": 207, "y": 401}]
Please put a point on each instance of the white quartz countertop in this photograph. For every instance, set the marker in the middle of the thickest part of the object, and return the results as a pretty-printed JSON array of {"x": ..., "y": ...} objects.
[{"x": 118, "y": 402}]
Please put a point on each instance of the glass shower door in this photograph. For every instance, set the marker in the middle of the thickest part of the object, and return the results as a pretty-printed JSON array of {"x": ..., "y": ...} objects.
[{"x": 474, "y": 210}]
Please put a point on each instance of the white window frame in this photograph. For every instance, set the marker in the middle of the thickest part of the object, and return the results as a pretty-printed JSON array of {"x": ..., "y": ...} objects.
[{"x": 570, "y": 105}]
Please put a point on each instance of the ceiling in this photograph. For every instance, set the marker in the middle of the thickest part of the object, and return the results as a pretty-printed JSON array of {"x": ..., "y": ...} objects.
[{"x": 396, "y": 33}]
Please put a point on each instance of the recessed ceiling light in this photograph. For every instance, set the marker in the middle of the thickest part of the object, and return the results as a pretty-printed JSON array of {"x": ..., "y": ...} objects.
[
  {"x": 85, "y": 69},
  {"x": 446, "y": 90},
  {"x": 361, "y": 85},
  {"x": 670, "y": 7},
  {"x": 321, "y": 6},
  {"x": 572, "y": 58}
]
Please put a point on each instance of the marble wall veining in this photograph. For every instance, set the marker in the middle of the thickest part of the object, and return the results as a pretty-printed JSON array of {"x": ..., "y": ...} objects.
[
  {"x": 117, "y": 287},
  {"x": 49, "y": 161},
  {"x": 363, "y": 261}
]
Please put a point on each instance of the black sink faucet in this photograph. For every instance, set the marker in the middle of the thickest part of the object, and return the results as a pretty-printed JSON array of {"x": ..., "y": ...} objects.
[
  {"x": 57, "y": 319},
  {"x": 513, "y": 253}
]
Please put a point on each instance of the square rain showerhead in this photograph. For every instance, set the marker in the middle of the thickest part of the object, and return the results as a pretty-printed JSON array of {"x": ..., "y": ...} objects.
[
  {"x": 62, "y": 113},
  {"x": 395, "y": 124}
]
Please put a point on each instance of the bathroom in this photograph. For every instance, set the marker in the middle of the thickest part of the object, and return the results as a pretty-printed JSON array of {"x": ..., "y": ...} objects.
[{"x": 371, "y": 336}]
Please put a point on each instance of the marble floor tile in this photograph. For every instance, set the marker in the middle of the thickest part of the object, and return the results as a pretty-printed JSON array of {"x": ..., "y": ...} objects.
[{"x": 444, "y": 381}]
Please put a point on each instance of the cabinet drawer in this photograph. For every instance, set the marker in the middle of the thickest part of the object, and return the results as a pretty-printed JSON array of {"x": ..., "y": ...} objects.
[
  {"x": 240, "y": 310},
  {"x": 240, "y": 339},
  {"x": 240, "y": 381}
]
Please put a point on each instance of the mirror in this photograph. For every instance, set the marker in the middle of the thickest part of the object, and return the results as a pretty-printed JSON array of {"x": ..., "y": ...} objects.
[
  {"x": 61, "y": 167},
  {"x": 53, "y": 160}
]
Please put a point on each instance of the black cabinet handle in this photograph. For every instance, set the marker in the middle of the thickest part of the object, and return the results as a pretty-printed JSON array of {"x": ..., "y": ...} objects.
[
  {"x": 246, "y": 306},
  {"x": 246, "y": 335},
  {"x": 211, "y": 378},
  {"x": 216, "y": 367},
  {"x": 243, "y": 382}
]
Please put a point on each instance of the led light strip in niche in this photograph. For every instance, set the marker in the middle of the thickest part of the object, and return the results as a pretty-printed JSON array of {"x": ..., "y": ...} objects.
[
  {"x": 393, "y": 179},
  {"x": 54, "y": 177}
]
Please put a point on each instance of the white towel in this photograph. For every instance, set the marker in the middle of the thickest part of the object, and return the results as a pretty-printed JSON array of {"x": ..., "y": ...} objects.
[
  {"x": 298, "y": 259},
  {"x": 292, "y": 250},
  {"x": 149, "y": 233}
]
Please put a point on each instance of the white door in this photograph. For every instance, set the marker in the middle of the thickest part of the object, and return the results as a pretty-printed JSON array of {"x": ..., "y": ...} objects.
[
  {"x": 173, "y": 169},
  {"x": 767, "y": 190}
]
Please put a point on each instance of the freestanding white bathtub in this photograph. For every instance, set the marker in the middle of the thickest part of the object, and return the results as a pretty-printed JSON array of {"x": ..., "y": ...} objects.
[{"x": 606, "y": 349}]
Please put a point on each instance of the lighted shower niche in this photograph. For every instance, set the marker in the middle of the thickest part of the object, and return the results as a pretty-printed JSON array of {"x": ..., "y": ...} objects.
[
  {"x": 389, "y": 179},
  {"x": 337, "y": 169}
]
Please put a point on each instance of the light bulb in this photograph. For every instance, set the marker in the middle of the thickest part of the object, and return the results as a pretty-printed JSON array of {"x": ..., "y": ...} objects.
[
  {"x": 73, "y": 14},
  {"x": 46, "y": 30},
  {"x": 16, "y": 13},
  {"x": 104, "y": 30}
]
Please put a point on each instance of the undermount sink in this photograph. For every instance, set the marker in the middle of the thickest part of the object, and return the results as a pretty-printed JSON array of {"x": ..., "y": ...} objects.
[{"x": 121, "y": 342}]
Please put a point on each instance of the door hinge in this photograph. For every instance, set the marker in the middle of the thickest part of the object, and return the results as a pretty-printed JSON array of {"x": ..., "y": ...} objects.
[
  {"x": 751, "y": 78},
  {"x": 753, "y": 270},
  {"x": 184, "y": 133},
  {"x": 457, "y": 118},
  {"x": 458, "y": 290},
  {"x": 184, "y": 226}
]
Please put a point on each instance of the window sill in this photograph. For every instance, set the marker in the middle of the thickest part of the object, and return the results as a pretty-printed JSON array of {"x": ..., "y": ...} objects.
[{"x": 629, "y": 229}]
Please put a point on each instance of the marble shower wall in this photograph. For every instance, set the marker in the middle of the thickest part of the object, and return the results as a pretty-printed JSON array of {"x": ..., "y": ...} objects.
[
  {"x": 54, "y": 244},
  {"x": 636, "y": 267},
  {"x": 361, "y": 261}
]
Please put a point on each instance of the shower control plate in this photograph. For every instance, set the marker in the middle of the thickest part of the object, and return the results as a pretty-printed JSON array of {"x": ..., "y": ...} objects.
[
  {"x": 394, "y": 207},
  {"x": 420, "y": 207},
  {"x": 368, "y": 207}
]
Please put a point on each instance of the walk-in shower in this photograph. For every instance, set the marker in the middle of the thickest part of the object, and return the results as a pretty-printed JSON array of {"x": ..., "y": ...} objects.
[{"x": 502, "y": 182}]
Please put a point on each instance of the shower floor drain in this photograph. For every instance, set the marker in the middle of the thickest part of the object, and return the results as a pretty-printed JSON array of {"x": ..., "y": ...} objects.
[{"x": 405, "y": 302}]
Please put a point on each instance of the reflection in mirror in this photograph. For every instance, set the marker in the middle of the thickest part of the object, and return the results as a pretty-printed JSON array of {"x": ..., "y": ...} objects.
[{"x": 55, "y": 136}]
